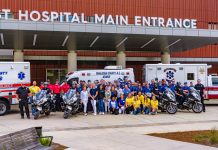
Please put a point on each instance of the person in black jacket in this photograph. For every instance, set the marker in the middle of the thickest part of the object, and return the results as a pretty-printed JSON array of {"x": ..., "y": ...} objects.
[
  {"x": 100, "y": 96},
  {"x": 200, "y": 87},
  {"x": 22, "y": 94}
]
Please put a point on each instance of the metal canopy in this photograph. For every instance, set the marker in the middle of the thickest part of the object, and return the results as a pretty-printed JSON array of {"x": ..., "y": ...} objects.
[{"x": 62, "y": 36}]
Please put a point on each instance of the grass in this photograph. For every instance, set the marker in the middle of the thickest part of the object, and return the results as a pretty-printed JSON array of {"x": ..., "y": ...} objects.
[{"x": 207, "y": 137}]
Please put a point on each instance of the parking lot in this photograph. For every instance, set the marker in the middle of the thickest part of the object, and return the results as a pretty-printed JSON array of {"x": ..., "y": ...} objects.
[{"x": 115, "y": 132}]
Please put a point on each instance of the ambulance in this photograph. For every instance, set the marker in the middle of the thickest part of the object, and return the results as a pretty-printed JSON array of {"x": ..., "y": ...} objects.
[
  {"x": 184, "y": 73},
  {"x": 109, "y": 74},
  {"x": 12, "y": 75}
]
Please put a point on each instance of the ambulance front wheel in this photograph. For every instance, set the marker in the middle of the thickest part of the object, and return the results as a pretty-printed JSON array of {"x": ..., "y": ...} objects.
[{"x": 3, "y": 108}]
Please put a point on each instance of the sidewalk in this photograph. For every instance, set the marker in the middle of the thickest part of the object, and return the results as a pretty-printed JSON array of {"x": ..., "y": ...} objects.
[{"x": 120, "y": 132}]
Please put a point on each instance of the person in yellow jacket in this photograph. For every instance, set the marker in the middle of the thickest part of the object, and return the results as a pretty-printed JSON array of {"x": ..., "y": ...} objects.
[
  {"x": 142, "y": 101},
  {"x": 147, "y": 105},
  {"x": 154, "y": 105},
  {"x": 129, "y": 103},
  {"x": 136, "y": 105},
  {"x": 34, "y": 89}
]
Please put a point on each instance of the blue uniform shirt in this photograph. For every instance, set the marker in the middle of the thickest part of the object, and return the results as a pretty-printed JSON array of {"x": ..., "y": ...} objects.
[
  {"x": 186, "y": 88},
  {"x": 122, "y": 102},
  {"x": 163, "y": 88}
]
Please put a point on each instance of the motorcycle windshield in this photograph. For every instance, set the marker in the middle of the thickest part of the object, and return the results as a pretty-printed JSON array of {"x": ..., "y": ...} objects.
[
  {"x": 70, "y": 93},
  {"x": 41, "y": 94},
  {"x": 170, "y": 94},
  {"x": 195, "y": 93}
]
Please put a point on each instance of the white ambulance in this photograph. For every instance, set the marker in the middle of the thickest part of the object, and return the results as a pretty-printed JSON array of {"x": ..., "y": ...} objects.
[
  {"x": 184, "y": 73},
  {"x": 109, "y": 74},
  {"x": 178, "y": 72},
  {"x": 212, "y": 86},
  {"x": 12, "y": 75}
]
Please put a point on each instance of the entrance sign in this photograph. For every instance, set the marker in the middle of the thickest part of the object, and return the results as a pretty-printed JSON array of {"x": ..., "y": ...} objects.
[{"x": 69, "y": 17}]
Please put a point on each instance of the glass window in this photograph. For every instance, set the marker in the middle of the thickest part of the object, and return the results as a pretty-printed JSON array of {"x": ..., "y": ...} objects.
[
  {"x": 190, "y": 76},
  {"x": 53, "y": 74},
  {"x": 215, "y": 81}
]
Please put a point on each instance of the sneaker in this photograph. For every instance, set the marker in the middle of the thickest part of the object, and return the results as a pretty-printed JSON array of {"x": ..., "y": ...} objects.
[
  {"x": 94, "y": 114},
  {"x": 85, "y": 114},
  {"x": 102, "y": 113}
]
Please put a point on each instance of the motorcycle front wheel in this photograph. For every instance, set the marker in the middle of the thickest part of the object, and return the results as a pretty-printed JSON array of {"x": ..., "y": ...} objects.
[
  {"x": 36, "y": 115},
  {"x": 47, "y": 113},
  {"x": 197, "y": 107},
  {"x": 171, "y": 108},
  {"x": 66, "y": 114}
]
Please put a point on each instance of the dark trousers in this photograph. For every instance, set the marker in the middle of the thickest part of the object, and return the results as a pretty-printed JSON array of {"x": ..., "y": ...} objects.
[
  {"x": 129, "y": 109},
  {"x": 58, "y": 102},
  {"x": 24, "y": 103},
  {"x": 180, "y": 99},
  {"x": 89, "y": 105},
  {"x": 114, "y": 111},
  {"x": 202, "y": 101}
]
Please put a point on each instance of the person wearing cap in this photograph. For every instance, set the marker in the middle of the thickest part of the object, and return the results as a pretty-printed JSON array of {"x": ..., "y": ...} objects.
[
  {"x": 113, "y": 106},
  {"x": 185, "y": 88},
  {"x": 22, "y": 94},
  {"x": 201, "y": 89},
  {"x": 49, "y": 91},
  {"x": 179, "y": 93}
]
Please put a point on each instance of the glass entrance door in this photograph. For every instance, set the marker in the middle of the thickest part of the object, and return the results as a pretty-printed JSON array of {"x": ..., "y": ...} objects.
[{"x": 53, "y": 74}]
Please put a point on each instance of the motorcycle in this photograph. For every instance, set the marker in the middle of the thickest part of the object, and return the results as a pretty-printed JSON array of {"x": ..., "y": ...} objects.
[
  {"x": 72, "y": 103},
  {"x": 168, "y": 102},
  {"x": 192, "y": 101},
  {"x": 41, "y": 104}
]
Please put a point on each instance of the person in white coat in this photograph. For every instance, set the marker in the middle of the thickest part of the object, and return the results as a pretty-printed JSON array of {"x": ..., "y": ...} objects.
[{"x": 84, "y": 99}]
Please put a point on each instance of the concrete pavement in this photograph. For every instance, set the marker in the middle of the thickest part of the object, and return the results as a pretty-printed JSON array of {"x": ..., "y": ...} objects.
[{"x": 116, "y": 132}]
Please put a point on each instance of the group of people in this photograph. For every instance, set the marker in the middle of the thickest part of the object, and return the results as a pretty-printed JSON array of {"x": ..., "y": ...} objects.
[{"x": 115, "y": 97}]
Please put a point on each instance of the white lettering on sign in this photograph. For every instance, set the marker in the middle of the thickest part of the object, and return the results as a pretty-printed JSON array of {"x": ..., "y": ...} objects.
[{"x": 70, "y": 17}]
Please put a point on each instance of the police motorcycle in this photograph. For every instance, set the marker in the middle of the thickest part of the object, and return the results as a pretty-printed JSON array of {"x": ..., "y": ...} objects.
[
  {"x": 168, "y": 101},
  {"x": 72, "y": 103},
  {"x": 41, "y": 104},
  {"x": 192, "y": 101}
]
